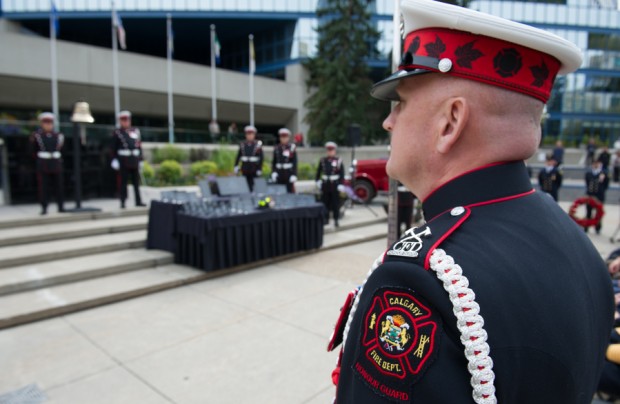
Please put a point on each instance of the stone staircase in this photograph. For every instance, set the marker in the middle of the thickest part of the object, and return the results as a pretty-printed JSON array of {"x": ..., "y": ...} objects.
[{"x": 62, "y": 263}]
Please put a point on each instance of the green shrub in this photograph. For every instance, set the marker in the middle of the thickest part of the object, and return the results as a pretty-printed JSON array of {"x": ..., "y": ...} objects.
[
  {"x": 306, "y": 171},
  {"x": 225, "y": 160},
  {"x": 266, "y": 169},
  {"x": 169, "y": 172},
  {"x": 170, "y": 152},
  {"x": 147, "y": 171},
  {"x": 202, "y": 168}
]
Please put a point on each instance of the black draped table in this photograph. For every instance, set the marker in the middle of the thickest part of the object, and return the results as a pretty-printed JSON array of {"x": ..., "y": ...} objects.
[{"x": 222, "y": 242}]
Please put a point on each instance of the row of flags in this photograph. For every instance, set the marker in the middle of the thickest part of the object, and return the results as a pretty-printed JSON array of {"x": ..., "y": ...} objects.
[
  {"x": 117, "y": 23},
  {"x": 119, "y": 34}
]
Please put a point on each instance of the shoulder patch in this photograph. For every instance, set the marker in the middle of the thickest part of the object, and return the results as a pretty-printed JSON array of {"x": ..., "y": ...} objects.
[{"x": 399, "y": 339}]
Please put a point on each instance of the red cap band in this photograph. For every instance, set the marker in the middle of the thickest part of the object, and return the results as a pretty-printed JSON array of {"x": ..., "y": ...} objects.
[{"x": 484, "y": 59}]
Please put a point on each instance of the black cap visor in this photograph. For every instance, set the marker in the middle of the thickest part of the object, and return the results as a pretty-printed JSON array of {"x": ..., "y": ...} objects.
[
  {"x": 385, "y": 90},
  {"x": 411, "y": 65}
]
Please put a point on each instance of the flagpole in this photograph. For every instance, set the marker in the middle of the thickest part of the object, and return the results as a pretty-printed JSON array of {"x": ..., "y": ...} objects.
[
  {"x": 54, "y": 72},
  {"x": 213, "y": 81},
  {"x": 117, "y": 97},
  {"x": 170, "y": 106},
  {"x": 393, "y": 184},
  {"x": 252, "y": 69}
]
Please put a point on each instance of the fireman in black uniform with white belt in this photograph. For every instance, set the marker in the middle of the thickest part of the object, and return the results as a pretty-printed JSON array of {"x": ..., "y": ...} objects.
[
  {"x": 46, "y": 145},
  {"x": 127, "y": 156},
  {"x": 499, "y": 297},
  {"x": 251, "y": 156},
  {"x": 284, "y": 163},
  {"x": 330, "y": 179}
]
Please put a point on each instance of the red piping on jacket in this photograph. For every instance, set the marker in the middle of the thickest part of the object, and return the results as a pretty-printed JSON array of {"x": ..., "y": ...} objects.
[{"x": 462, "y": 219}]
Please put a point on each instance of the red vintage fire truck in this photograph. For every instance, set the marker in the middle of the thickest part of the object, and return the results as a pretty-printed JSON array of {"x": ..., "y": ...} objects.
[{"x": 371, "y": 179}]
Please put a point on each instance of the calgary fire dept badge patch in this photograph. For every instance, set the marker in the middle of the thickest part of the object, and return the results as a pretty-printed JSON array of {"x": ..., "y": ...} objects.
[{"x": 398, "y": 341}]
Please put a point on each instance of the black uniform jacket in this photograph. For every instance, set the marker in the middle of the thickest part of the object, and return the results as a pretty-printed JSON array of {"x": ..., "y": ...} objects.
[
  {"x": 47, "y": 150},
  {"x": 251, "y": 156},
  {"x": 331, "y": 171},
  {"x": 543, "y": 290},
  {"x": 550, "y": 181},
  {"x": 597, "y": 183},
  {"x": 127, "y": 147},
  {"x": 284, "y": 159}
]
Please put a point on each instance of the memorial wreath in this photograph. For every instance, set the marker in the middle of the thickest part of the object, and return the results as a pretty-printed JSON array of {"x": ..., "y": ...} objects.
[{"x": 590, "y": 201}]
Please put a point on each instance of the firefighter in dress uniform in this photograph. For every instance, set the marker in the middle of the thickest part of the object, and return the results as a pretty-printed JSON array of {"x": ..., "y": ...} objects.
[
  {"x": 284, "y": 163},
  {"x": 329, "y": 179},
  {"x": 550, "y": 178},
  {"x": 46, "y": 145},
  {"x": 597, "y": 182},
  {"x": 499, "y": 297},
  {"x": 251, "y": 156},
  {"x": 127, "y": 156}
]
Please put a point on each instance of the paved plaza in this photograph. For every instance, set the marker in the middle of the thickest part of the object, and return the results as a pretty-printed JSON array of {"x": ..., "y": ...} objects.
[{"x": 257, "y": 336}]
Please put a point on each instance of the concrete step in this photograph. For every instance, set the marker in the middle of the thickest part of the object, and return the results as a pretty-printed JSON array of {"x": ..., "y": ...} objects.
[
  {"x": 27, "y": 220},
  {"x": 25, "y": 254},
  {"x": 57, "y": 231},
  {"x": 51, "y": 273},
  {"x": 21, "y": 308},
  {"x": 344, "y": 237}
]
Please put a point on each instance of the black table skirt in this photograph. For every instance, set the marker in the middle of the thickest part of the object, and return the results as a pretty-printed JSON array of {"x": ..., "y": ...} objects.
[
  {"x": 162, "y": 228},
  {"x": 215, "y": 243}
]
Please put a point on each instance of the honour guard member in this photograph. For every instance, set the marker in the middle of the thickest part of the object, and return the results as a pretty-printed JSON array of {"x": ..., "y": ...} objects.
[
  {"x": 550, "y": 178},
  {"x": 329, "y": 179},
  {"x": 499, "y": 297},
  {"x": 127, "y": 156},
  {"x": 597, "y": 182},
  {"x": 284, "y": 163},
  {"x": 251, "y": 156},
  {"x": 46, "y": 145}
]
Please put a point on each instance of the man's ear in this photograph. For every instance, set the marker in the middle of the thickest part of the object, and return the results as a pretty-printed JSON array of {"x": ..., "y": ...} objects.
[{"x": 453, "y": 119}]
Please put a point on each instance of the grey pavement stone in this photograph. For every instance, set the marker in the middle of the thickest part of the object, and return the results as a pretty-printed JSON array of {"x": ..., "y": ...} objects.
[
  {"x": 260, "y": 361},
  {"x": 48, "y": 353},
  {"x": 140, "y": 327},
  {"x": 110, "y": 386}
]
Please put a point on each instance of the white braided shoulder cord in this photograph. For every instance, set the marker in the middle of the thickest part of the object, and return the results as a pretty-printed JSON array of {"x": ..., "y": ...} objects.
[{"x": 469, "y": 322}]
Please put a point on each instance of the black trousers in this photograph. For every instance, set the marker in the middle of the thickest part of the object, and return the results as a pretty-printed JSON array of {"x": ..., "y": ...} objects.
[
  {"x": 331, "y": 200},
  {"x": 49, "y": 183},
  {"x": 284, "y": 179},
  {"x": 249, "y": 177},
  {"x": 601, "y": 198},
  {"x": 133, "y": 175}
]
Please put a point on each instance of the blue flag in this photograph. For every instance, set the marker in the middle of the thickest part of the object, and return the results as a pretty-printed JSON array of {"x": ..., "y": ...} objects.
[{"x": 54, "y": 19}]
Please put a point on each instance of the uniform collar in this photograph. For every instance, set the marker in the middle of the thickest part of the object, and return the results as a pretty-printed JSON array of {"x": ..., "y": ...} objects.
[{"x": 485, "y": 184}]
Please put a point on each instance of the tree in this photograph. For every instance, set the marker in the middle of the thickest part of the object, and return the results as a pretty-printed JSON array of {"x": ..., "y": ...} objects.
[{"x": 339, "y": 73}]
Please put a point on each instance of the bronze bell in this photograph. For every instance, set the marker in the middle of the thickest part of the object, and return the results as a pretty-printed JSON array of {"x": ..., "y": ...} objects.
[{"x": 81, "y": 113}]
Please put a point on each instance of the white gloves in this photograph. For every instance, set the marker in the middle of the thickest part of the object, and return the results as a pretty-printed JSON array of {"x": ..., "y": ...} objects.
[
  {"x": 236, "y": 169},
  {"x": 115, "y": 165},
  {"x": 292, "y": 179},
  {"x": 341, "y": 188},
  {"x": 319, "y": 184},
  {"x": 259, "y": 173},
  {"x": 141, "y": 166},
  {"x": 274, "y": 176}
]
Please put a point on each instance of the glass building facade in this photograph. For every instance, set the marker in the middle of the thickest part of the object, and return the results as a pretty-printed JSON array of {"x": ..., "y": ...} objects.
[{"x": 584, "y": 103}]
